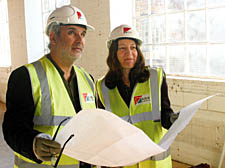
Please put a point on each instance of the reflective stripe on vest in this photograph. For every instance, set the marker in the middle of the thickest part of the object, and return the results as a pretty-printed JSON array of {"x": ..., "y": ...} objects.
[
  {"x": 153, "y": 115},
  {"x": 46, "y": 109},
  {"x": 155, "y": 94},
  {"x": 105, "y": 92},
  {"x": 145, "y": 116},
  {"x": 89, "y": 81},
  {"x": 25, "y": 164}
]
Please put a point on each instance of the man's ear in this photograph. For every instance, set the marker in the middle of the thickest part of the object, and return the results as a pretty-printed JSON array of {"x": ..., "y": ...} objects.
[{"x": 52, "y": 37}]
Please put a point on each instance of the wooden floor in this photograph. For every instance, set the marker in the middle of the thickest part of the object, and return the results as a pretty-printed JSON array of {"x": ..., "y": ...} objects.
[
  {"x": 180, "y": 165},
  {"x": 2, "y": 110}
]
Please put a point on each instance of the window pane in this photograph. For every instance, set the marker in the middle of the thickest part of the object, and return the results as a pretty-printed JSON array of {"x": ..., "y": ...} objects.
[
  {"x": 158, "y": 29},
  {"x": 44, "y": 20},
  {"x": 176, "y": 57},
  {"x": 213, "y": 3},
  {"x": 146, "y": 52},
  {"x": 48, "y": 5},
  {"x": 52, "y": 5},
  {"x": 216, "y": 24},
  {"x": 143, "y": 7},
  {"x": 196, "y": 26},
  {"x": 193, "y": 4},
  {"x": 46, "y": 43},
  {"x": 45, "y": 5},
  {"x": 5, "y": 59},
  {"x": 60, "y": 3},
  {"x": 183, "y": 37},
  {"x": 158, "y": 6},
  {"x": 175, "y": 5},
  {"x": 158, "y": 56},
  {"x": 197, "y": 59},
  {"x": 142, "y": 26},
  {"x": 175, "y": 27},
  {"x": 216, "y": 55},
  {"x": 120, "y": 14}
]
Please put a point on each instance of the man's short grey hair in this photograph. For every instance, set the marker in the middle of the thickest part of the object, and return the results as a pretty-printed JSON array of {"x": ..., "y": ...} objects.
[{"x": 55, "y": 27}]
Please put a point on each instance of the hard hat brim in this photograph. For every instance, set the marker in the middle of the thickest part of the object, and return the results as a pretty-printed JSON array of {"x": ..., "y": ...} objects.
[{"x": 89, "y": 27}]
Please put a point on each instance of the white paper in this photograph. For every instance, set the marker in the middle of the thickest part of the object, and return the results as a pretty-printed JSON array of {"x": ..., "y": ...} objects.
[
  {"x": 183, "y": 120},
  {"x": 102, "y": 138}
]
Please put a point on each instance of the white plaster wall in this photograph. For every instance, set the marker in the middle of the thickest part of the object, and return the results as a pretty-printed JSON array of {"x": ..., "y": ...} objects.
[
  {"x": 97, "y": 15},
  {"x": 17, "y": 33}
]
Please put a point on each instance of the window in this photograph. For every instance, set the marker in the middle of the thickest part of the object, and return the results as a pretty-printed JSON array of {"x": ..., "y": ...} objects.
[
  {"x": 120, "y": 13},
  {"x": 36, "y": 14},
  {"x": 185, "y": 37},
  {"x": 5, "y": 55},
  {"x": 47, "y": 7}
]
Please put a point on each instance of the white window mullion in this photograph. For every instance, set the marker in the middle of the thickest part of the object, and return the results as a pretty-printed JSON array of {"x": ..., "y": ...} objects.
[
  {"x": 5, "y": 53},
  {"x": 166, "y": 39},
  {"x": 187, "y": 62},
  {"x": 207, "y": 37}
]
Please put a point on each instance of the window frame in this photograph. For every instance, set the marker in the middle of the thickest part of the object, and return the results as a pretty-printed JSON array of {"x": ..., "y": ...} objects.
[{"x": 186, "y": 43}]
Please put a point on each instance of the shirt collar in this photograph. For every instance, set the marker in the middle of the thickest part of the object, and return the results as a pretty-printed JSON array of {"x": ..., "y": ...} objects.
[{"x": 72, "y": 73}]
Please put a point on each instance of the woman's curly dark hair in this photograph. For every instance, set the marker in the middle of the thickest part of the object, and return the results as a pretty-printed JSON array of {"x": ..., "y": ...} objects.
[{"x": 139, "y": 72}]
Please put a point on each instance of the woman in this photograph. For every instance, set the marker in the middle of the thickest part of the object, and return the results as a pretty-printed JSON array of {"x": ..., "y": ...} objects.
[{"x": 131, "y": 90}]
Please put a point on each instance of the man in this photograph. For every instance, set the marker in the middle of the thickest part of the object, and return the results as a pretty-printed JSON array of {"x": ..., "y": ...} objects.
[{"x": 42, "y": 94}]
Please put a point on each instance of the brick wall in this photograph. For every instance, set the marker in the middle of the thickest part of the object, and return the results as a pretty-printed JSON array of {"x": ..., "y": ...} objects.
[{"x": 202, "y": 140}]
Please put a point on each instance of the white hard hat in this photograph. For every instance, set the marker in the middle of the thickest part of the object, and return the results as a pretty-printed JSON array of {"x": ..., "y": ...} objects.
[
  {"x": 123, "y": 31},
  {"x": 67, "y": 15}
]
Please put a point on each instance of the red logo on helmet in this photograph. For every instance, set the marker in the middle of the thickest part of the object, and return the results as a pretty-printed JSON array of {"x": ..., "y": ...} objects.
[
  {"x": 125, "y": 29},
  {"x": 78, "y": 14}
]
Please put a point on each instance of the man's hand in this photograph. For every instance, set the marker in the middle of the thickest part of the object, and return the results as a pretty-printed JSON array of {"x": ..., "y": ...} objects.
[{"x": 46, "y": 148}]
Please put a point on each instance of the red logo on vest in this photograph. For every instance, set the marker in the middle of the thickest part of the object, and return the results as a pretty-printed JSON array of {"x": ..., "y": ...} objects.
[
  {"x": 85, "y": 96},
  {"x": 88, "y": 98},
  {"x": 143, "y": 99},
  {"x": 136, "y": 99},
  {"x": 125, "y": 29},
  {"x": 78, "y": 14}
]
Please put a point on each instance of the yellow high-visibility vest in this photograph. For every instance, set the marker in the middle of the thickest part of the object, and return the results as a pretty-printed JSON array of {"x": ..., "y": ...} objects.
[
  {"x": 143, "y": 112},
  {"x": 53, "y": 105}
]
